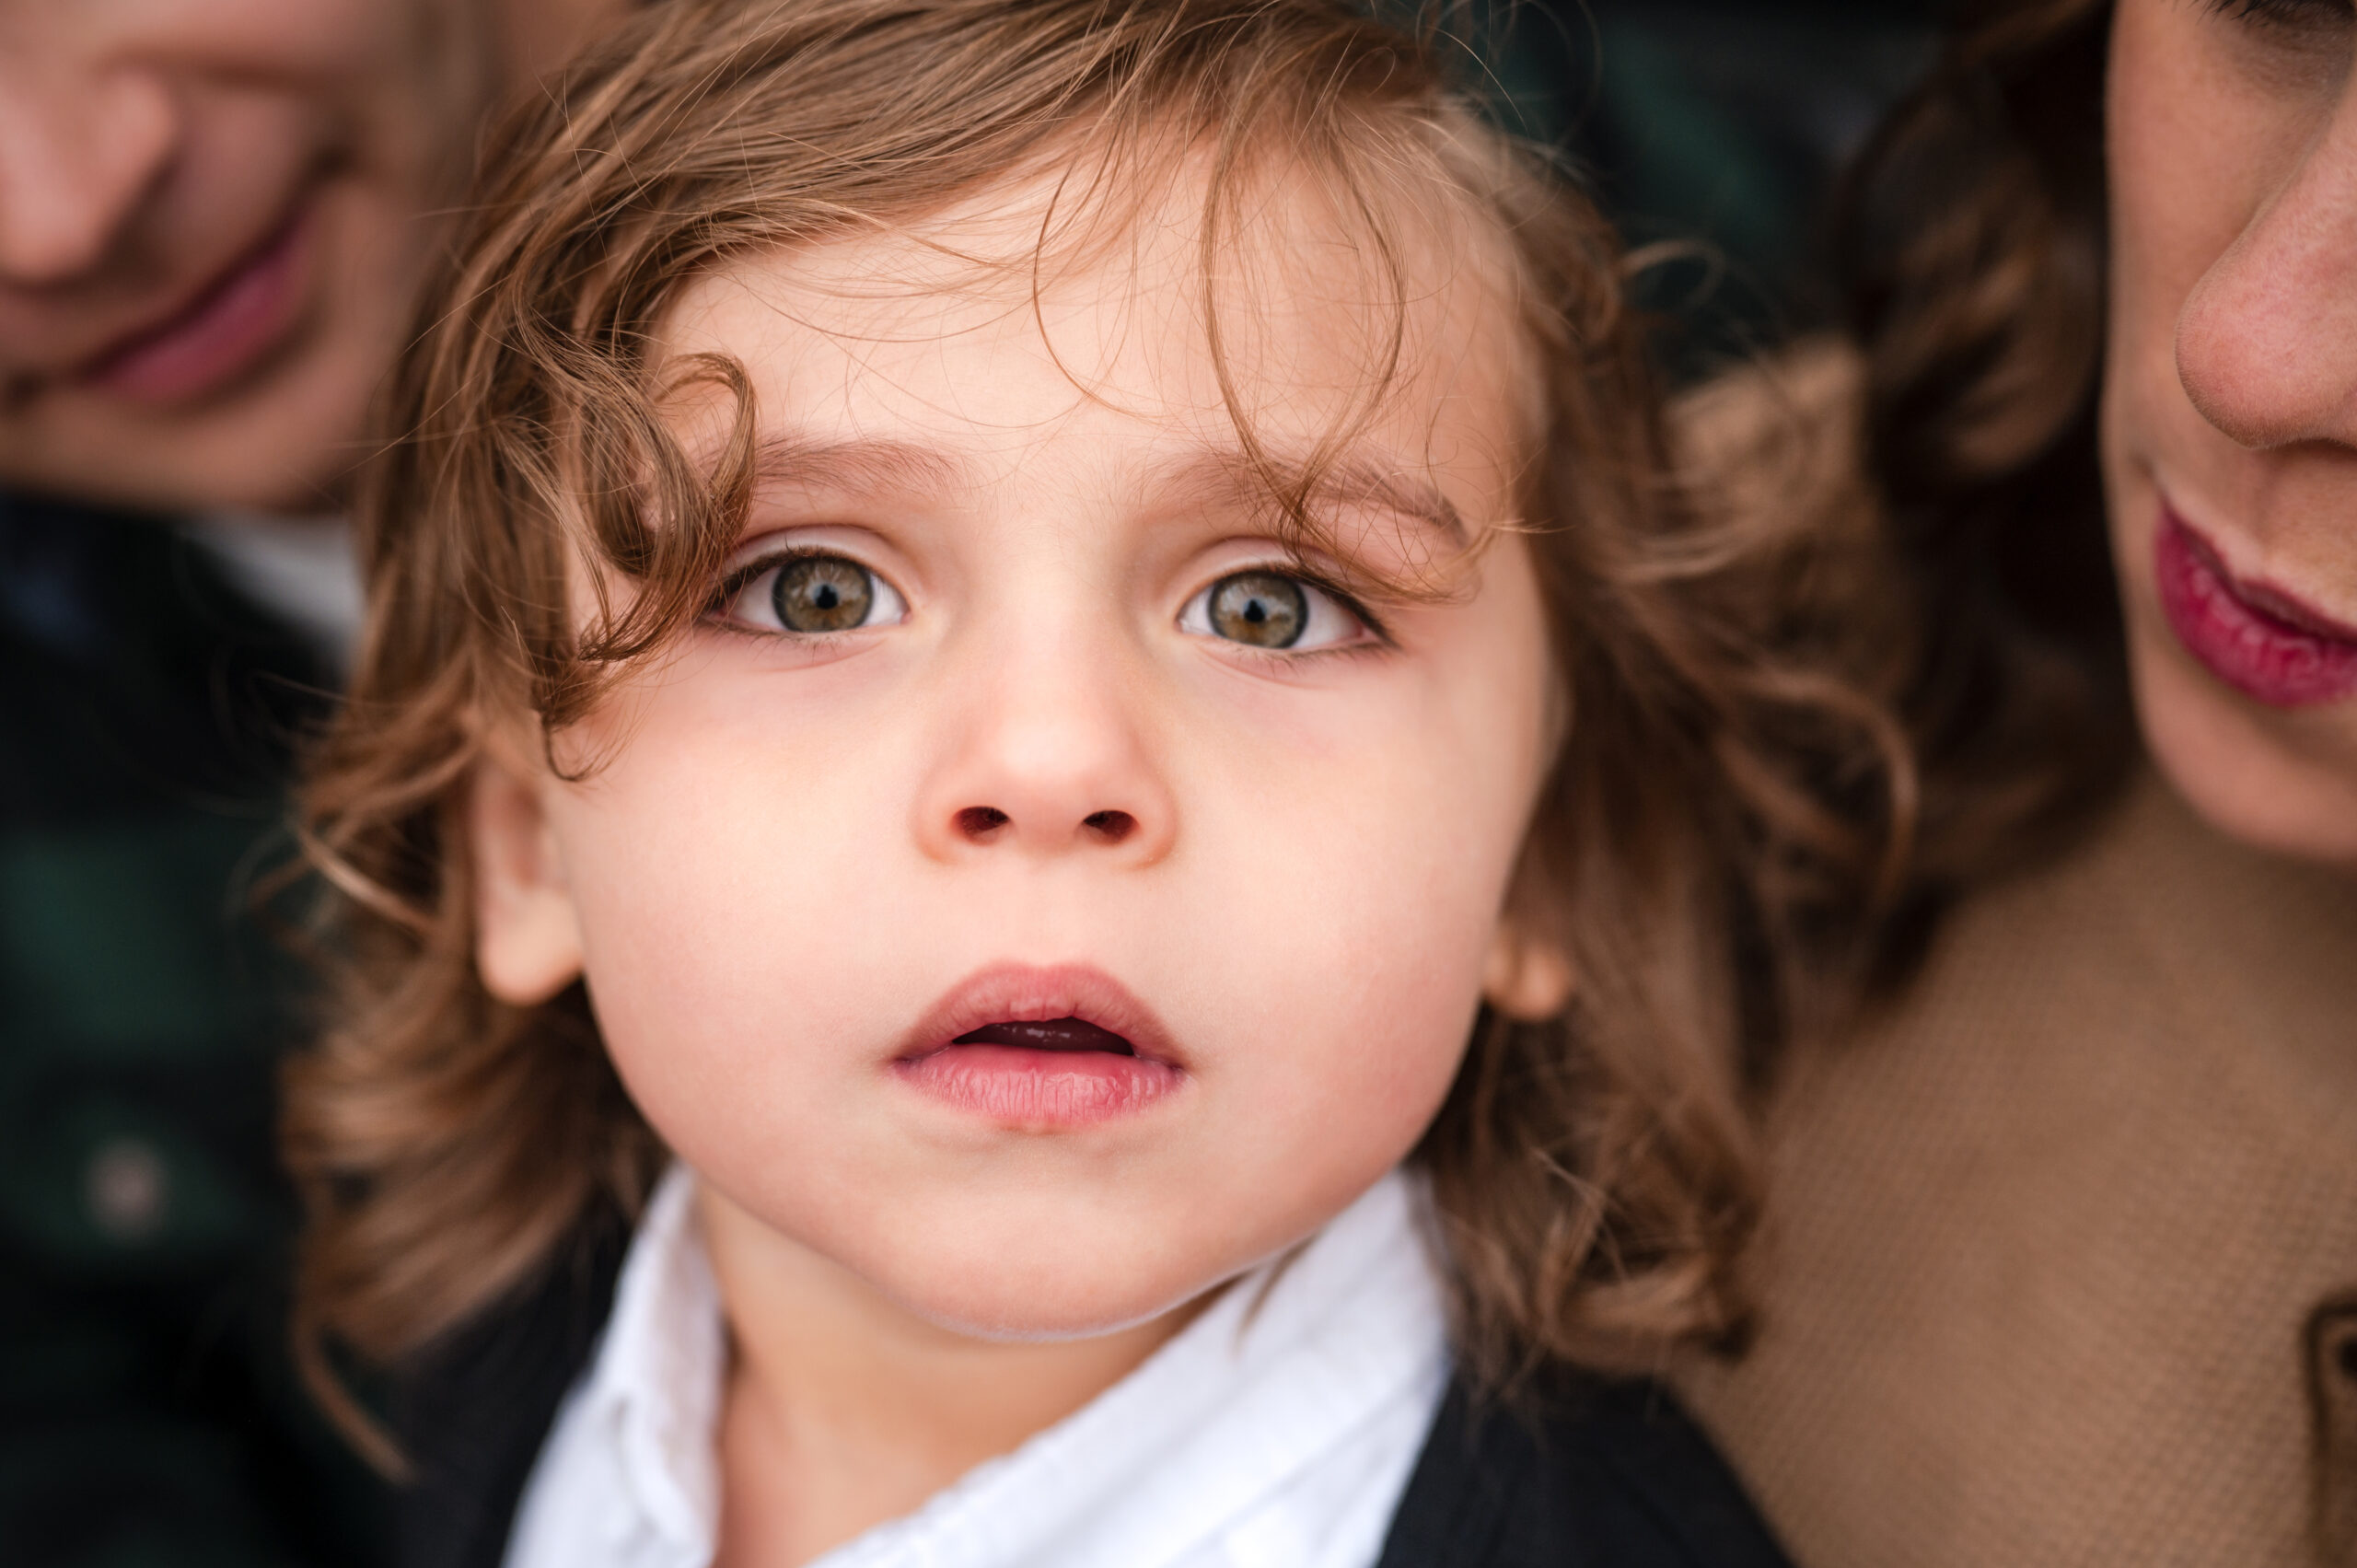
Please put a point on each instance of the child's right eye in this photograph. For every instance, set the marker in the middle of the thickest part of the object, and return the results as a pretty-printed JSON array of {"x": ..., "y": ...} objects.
[{"x": 809, "y": 596}]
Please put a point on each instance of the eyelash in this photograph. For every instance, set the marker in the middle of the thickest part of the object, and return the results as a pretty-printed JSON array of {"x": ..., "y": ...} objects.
[
  {"x": 1309, "y": 575},
  {"x": 2282, "y": 13},
  {"x": 736, "y": 579}
]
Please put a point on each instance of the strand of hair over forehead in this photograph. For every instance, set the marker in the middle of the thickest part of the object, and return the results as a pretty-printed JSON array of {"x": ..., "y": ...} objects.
[{"x": 1130, "y": 62}]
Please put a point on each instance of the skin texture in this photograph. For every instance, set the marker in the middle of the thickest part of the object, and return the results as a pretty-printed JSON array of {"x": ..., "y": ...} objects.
[
  {"x": 2231, "y": 386},
  {"x": 787, "y": 853},
  {"x": 152, "y": 151}
]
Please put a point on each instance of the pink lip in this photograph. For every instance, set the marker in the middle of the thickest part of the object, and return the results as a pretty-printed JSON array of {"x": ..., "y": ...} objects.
[
  {"x": 2257, "y": 638},
  {"x": 233, "y": 322},
  {"x": 1040, "y": 1090}
]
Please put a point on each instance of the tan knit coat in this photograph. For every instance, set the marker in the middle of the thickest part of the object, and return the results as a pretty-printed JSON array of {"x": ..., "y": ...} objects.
[{"x": 2053, "y": 1247}]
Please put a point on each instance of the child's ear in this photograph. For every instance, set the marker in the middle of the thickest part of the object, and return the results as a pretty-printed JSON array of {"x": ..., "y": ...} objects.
[
  {"x": 528, "y": 935},
  {"x": 1525, "y": 978}
]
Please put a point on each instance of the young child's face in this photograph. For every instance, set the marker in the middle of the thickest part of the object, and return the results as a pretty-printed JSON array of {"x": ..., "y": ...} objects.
[{"x": 1061, "y": 736}]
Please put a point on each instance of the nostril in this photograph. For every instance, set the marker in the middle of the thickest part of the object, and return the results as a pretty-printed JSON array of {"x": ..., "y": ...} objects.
[
  {"x": 981, "y": 821},
  {"x": 1112, "y": 826}
]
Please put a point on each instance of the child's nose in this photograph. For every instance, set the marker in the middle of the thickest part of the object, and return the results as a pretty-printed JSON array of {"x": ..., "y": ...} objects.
[{"x": 1047, "y": 759}]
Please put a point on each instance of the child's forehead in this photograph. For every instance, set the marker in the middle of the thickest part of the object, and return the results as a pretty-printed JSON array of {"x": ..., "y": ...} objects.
[{"x": 1026, "y": 310}]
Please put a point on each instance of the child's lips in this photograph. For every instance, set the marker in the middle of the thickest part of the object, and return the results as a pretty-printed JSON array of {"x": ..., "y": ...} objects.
[
  {"x": 1041, "y": 1049},
  {"x": 1035, "y": 1090},
  {"x": 1071, "y": 1004}
]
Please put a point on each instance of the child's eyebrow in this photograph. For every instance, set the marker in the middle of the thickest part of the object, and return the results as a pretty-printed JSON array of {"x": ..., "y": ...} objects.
[
  {"x": 1215, "y": 476},
  {"x": 1232, "y": 476},
  {"x": 864, "y": 463}
]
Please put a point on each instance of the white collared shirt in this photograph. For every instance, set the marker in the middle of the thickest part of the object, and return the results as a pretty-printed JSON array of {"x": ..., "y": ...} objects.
[
  {"x": 1276, "y": 1431},
  {"x": 305, "y": 571}
]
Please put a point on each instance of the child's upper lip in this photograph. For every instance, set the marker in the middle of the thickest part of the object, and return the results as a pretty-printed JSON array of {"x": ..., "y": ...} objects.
[{"x": 1019, "y": 993}]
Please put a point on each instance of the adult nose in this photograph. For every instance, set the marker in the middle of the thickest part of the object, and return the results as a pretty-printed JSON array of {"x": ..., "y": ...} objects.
[
  {"x": 1044, "y": 755},
  {"x": 81, "y": 146},
  {"x": 2266, "y": 340}
]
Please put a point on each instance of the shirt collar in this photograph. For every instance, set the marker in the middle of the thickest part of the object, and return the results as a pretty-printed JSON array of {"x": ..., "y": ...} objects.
[
  {"x": 653, "y": 1392},
  {"x": 1305, "y": 1362}
]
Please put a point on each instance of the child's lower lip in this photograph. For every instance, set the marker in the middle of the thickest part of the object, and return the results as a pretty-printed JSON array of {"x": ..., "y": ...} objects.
[
  {"x": 1025, "y": 1087},
  {"x": 1041, "y": 1049},
  {"x": 2252, "y": 646}
]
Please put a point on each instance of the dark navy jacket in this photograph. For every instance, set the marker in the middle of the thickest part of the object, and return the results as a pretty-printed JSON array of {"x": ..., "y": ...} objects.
[{"x": 149, "y": 1407}]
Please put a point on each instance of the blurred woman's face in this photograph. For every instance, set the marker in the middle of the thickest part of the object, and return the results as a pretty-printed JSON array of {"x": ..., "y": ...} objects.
[
  {"x": 2230, "y": 405},
  {"x": 213, "y": 217}
]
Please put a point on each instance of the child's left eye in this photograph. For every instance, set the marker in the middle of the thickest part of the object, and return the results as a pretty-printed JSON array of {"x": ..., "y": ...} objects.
[
  {"x": 811, "y": 596},
  {"x": 1265, "y": 609}
]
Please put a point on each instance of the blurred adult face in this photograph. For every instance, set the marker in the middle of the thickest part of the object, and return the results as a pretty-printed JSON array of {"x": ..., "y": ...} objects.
[
  {"x": 213, "y": 217},
  {"x": 2230, "y": 405}
]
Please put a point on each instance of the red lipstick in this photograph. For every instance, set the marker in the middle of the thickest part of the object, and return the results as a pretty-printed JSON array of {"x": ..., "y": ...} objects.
[
  {"x": 2257, "y": 638},
  {"x": 1041, "y": 1050}
]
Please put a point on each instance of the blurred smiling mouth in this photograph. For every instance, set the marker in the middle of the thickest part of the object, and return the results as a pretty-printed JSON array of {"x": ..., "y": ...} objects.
[
  {"x": 218, "y": 333},
  {"x": 1040, "y": 1050}
]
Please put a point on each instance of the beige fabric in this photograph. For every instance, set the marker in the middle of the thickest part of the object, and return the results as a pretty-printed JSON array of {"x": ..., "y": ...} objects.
[{"x": 2043, "y": 1243}]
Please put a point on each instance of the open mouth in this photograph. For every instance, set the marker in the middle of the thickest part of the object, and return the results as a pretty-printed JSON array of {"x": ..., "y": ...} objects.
[
  {"x": 1060, "y": 1034},
  {"x": 1040, "y": 1050}
]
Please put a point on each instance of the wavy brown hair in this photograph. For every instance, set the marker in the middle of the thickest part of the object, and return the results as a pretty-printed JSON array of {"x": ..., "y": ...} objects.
[
  {"x": 1970, "y": 244},
  {"x": 1720, "y": 813}
]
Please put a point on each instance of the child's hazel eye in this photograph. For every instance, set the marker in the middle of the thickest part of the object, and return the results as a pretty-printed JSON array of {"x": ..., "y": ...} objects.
[
  {"x": 1269, "y": 609},
  {"x": 1260, "y": 608},
  {"x": 813, "y": 594}
]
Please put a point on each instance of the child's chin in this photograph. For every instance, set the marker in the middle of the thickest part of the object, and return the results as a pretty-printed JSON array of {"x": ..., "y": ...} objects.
[{"x": 1032, "y": 1314}]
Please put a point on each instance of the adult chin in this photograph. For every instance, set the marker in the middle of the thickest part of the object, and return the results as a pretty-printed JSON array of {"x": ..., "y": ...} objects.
[
  {"x": 288, "y": 449},
  {"x": 2279, "y": 780}
]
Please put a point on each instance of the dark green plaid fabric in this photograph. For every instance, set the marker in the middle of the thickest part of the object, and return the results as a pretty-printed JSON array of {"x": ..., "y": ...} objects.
[
  {"x": 149, "y": 1411},
  {"x": 1718, "y": 127}
]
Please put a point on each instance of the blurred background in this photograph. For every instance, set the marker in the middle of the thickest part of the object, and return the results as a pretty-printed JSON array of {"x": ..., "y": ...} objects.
[
  {"x": 1715, "y": 128},
  {"x": 154, "y": 671}
]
